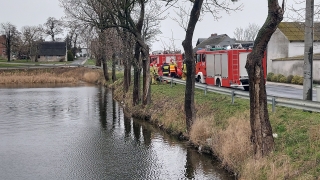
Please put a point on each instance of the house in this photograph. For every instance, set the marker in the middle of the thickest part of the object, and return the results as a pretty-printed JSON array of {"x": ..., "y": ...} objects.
[
  {"x": 288, "y": 41},
  {"x": 83, "y": 52},
  {"x": 2, "y": 46},
  {"x": 200, "y": 40},
  {"x": 52, "y": 51},
  {"x": 213, "y": 41}
]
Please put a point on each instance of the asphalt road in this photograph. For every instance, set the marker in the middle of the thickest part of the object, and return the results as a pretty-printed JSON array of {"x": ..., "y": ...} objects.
[
  {"x": 79, "y": 61},
  {"x": 287, "y": 90}
]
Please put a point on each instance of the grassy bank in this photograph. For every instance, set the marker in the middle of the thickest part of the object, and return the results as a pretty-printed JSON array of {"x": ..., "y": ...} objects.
[
  {"x": 223, "y": 129},
  {"x": 51, "y": 75}
]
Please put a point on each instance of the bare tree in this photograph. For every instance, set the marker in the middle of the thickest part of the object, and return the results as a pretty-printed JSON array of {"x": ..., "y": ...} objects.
[
  {"x": 239, "y": 34},
  {"x": 213, "y": 7},
  {"x": 30, "y": 37},
  {"x": 53, "y": 27},
  {"x": 12, "y": 35},
  {"x": 75, "y": 30},
  {"x": 152, "y": 19},
  {"x": 261, "y": 131},
  {"x": 187, "y": 46},
  {"x": 296, "y": 11},
  {"x": 247, "y": 34}
]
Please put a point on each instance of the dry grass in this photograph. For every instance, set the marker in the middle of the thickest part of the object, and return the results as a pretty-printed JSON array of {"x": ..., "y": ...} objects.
[
  {"x": 272, "y": 168},
  {"x": 231, "y": 144},
  {"x": 55, "y": 75},
  {"x": 225, "y": 129},
  {"x": 91, "y": 77}
]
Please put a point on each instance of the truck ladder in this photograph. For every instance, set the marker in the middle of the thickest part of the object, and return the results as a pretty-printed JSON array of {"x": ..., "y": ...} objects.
[{"x": 235, "y": 64}]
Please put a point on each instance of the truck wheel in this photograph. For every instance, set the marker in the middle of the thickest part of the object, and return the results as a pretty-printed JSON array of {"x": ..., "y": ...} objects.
[
  {"x": 198, "y": 79},
  {"x": 218, "y": 83},
  {"x": 246, "y": 88}
]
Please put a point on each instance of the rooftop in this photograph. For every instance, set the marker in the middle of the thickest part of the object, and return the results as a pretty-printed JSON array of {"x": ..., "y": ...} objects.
[
  {"x": 52, "y": 48},
  {"x": 294, "y": 31}
]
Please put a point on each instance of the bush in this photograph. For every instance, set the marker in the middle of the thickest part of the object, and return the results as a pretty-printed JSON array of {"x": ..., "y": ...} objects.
[
  {"x": 269, "y": 76},
  {"x": 275, "y": 78},
  {"x": 289, "y": 78},
  {"x": 297, "y": 80},
  {"x": 70, "y": 56},
  {"x": 283, "y": 79}
]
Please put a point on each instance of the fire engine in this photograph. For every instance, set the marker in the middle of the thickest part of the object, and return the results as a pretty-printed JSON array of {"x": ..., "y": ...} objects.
[
  {"x": 159, "y": 58},
  {"x": 224, "y": 67}
]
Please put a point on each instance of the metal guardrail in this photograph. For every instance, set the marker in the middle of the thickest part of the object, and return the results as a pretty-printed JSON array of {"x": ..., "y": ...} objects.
[{"x": 279, "y": 101}]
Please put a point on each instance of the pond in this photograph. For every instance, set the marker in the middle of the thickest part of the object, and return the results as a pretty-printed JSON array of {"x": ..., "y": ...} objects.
[{"x": 80, "y": 132}]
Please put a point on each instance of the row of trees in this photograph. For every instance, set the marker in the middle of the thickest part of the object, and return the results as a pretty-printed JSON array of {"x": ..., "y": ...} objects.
[
  {"x": 124, "y": 26},
  {"x": 23, "y": 43}
]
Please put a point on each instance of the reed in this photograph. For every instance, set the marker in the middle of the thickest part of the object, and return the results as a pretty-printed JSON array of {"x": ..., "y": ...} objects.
[{"x": 53, "y": 75}]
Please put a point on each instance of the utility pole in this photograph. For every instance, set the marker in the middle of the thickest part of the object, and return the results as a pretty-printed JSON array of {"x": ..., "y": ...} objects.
[{"x": 308, "y": 51}]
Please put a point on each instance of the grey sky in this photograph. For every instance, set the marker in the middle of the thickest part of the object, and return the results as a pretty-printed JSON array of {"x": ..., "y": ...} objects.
[{"x": 34, "y": 12}]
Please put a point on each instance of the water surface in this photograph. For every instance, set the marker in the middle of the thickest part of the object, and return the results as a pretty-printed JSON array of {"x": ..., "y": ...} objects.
[{"x": 80, "y": 133}]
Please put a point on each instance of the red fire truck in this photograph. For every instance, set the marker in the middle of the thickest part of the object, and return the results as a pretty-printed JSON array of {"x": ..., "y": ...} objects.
[
  {"x": 159, "y": 58},
  {"x": 224, "y": 68}
]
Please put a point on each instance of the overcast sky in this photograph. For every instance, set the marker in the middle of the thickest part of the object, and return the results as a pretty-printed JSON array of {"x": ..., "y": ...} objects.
[{"x": 34, "y": 12}]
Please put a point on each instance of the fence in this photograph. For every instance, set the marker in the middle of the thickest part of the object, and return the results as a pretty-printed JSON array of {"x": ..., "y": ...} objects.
[{"x": 279, "y": 101}]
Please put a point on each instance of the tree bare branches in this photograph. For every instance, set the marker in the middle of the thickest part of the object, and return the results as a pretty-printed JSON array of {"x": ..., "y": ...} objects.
[
  {"x": 53, "y": 27},
  {"x": 12, "y": 36},
  {"x": 247, "y": 34}
]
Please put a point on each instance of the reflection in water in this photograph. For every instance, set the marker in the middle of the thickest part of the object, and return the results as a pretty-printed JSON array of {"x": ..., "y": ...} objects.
[
  {"x": 81, "y": 133},
  {"x": 189, "y": 165},
  {"x": 127, "y": 126},
  {"x": 146, "y": 136},
  {"x": 103, "y": 103}
]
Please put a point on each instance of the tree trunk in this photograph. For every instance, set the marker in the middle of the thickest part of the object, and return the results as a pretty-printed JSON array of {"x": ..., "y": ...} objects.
[
  {"x": 137, "y": 73},
  {"x": 102, "y": 54},
  {"x": 127, "y": 75},
  {"x": 105, "y": 70},
  {"x": 189, "y": 107},
  {"x": 261, "y": 131},
  {"x": 114, "y": 78},
  {"x": 98, "y": 61},
  {"x": 8, "y": 47},
  {"x": 146, "y": 79},
  {"x": 136, "y": 86}
]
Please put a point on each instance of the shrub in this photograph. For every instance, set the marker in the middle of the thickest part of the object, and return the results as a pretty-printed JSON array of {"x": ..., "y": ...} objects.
[
  {"x": 289, "y": 78},
  {"x": 269, "y": 76},
  {"x": 283, "y": 79},
  {"x": 280, "y": 76},
  {"x": 276, "y": 77},
  {"x": 297, "y": 80},
  {"x": 70, "y": 56}
]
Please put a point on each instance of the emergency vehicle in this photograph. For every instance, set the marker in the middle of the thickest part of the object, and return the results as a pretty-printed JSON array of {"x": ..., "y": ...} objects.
[
  {"x": 224, "y": 67},
  {"x": 159, "y": 58}
]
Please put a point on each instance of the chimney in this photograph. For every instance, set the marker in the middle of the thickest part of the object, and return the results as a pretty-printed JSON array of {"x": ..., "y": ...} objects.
[{"x": 215, "y": 34}]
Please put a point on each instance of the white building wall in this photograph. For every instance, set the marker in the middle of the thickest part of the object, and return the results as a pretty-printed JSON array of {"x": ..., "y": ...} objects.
[
  {"x": 294, "y": 67},
  {"x": 278, "y": 47},
  {"x": 297, "y": 48}
]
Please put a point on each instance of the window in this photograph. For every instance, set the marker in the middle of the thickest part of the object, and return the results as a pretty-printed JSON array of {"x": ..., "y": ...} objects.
[{"x": 203, "y": 58}]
